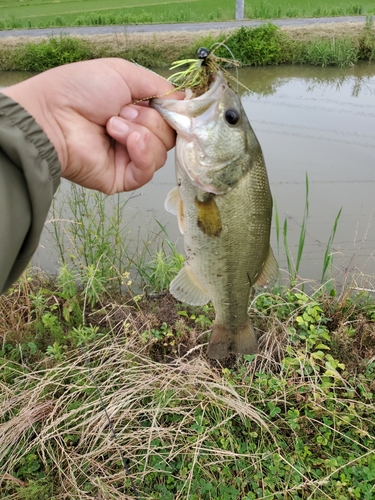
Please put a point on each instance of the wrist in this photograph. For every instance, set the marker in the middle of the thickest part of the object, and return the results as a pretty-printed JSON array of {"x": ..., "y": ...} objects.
[{"x": 34, "y": 99}]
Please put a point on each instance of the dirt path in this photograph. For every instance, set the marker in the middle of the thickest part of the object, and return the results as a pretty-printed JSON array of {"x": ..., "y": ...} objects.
[{"x": 162, "y": 28}]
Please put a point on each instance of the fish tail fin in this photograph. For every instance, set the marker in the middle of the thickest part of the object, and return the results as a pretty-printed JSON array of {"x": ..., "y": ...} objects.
[{"x": 225, "y": 340}]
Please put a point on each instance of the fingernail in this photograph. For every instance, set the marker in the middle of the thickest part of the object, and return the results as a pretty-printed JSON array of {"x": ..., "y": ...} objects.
[
  {"x": 140, "y": 142},
  {"x": 129, "y": 113},
  {"x": 119, "y": 125}
]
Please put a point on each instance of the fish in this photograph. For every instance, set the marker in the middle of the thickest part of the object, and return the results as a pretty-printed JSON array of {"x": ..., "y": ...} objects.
[{"x": 223, "y": 205}]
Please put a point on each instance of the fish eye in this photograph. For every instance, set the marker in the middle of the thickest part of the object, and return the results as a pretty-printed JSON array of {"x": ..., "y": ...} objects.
[{"x": 232, "y": 116}]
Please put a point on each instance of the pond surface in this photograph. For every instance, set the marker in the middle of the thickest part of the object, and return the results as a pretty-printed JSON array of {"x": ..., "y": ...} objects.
[{"x": 314, "y": 121}]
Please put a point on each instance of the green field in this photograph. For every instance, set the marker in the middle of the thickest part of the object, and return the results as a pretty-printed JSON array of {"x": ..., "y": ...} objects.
[{"x": 39, "y": 13}]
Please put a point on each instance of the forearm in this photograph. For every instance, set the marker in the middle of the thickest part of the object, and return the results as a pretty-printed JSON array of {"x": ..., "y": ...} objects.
[{"x": 29, "y": 175}]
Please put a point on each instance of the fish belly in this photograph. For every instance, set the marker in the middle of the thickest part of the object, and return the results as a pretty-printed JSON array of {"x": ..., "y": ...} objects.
[{"x": 227, "y": 263}]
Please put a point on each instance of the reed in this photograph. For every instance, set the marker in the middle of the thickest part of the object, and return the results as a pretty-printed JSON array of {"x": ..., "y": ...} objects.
[{"x": 294, "y": 264}]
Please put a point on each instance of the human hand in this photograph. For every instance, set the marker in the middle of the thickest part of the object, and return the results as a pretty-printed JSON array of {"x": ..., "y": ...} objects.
[{"x": 103, "y": 141}]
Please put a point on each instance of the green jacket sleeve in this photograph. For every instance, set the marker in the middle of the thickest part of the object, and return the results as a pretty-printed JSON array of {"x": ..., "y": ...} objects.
[{"x": 29, "y": 176}]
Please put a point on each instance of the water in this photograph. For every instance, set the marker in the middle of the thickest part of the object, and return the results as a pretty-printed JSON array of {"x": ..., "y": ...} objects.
[{"x": 314, "y": 121}]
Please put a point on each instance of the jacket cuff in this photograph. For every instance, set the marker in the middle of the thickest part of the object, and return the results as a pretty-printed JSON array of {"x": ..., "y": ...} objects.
[{"x": 30, "y": 173}]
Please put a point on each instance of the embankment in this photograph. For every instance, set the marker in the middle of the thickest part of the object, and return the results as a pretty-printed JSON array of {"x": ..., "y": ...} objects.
[{"x": 319, "y": 44}]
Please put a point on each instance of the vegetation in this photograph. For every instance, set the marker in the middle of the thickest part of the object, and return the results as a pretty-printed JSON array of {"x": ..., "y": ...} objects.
[
  {"x": 40, "y": 14},
  {"x": 264, "y": 45},
  {"x": 106, "y": 391}
]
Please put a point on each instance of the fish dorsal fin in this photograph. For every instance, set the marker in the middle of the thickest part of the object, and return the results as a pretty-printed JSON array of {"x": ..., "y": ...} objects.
[
  {"x": 270, "y": 271},
  {"x": 186, "y": 288},
  {"x": 173, "y": 204}
]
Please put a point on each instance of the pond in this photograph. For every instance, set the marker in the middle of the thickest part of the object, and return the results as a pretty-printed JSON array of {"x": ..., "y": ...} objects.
[{"x": 314, "y": 122}]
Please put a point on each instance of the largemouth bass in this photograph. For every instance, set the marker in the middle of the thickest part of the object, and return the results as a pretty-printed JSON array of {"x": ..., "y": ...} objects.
[{"x": 224, "y": 208}]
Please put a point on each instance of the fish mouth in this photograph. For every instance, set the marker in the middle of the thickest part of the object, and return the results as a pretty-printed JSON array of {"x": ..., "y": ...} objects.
[{"x": 179, "y": 113}]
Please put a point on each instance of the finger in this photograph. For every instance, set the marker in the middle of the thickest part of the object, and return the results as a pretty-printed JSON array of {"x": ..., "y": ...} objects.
[
  {"x": 151, "y": 120},
  {"x": 147, "y": 154},
  {"x": 118, "y": 129},
  {"x": 153, "y": 149}
]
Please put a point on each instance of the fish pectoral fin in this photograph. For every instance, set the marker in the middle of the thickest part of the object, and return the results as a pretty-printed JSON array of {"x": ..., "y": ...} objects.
[
  {"x": 270, "y": 271},
  {"x": 208, "y": 216},
  {"x": 172, "y": 201},
  {"x": 173, "y": 204},
  {"x": 186, "y": 288}
]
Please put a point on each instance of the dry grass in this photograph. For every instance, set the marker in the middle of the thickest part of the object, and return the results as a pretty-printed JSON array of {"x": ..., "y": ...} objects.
[{"x": 41, "y": 413}]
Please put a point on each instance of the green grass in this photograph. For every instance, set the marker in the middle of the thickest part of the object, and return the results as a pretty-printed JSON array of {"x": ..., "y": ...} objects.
[
  {"x": 294, "y": 263},
  {"x": 39, "y": 13}
]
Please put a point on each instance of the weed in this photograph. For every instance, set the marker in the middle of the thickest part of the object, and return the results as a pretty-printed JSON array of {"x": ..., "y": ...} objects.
[
  {"x": 255, "y": 46},
  {"x": 92, "y": 242},
  {"x": 51, "y": 53},
  {"x": 56, "y": 351},
  {"x": 367, "y": 41},
  {"x": 160, "y": 271},
  {"x": 328, "y": 255},
  {"x": 293, "y": 268},
  {"x": 339, "y": 52}
]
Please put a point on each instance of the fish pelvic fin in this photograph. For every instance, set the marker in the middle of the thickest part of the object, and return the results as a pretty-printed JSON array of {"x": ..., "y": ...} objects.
[
  {"x": 270, "y": 271},
  {"x": 225, "y": 340},
  {"x": 173, "y": 204},
  {"x": 186, "y": 288}
]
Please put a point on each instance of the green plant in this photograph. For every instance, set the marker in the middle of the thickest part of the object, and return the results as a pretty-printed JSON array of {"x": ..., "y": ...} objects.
[
  {"x": 328, "y": 256},
  {"x": 255, "y": 46},
  {"x": 93, "y": 242},
  {"x": 203, "y": 320},
  {"x": 367, "y": 41},
  {"x": 338, "y": 52},
  {"x": 293, "y": 267},
  {"x": 160, "y": 271},
  {"x": 82, "y": 335},
  {"x": 56, "y": 352},
  {"x": 51, "y": 53}
]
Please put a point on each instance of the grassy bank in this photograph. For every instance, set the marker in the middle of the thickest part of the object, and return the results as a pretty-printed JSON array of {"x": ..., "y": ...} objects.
[
  {"x": 37, "y": 14},
  {"x": 267, "y": 44},
  {"x": 296, "y": 422},
  {"x": 106, "y": 391}
]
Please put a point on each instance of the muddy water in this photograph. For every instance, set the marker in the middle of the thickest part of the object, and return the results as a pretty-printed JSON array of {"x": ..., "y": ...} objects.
[{"x": 314, "y": 121}]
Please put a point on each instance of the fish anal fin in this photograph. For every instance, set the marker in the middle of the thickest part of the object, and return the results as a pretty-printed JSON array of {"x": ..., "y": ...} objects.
[
  {"x": 225, "y": 340},
  {"x": 270, "y": 271},
  {"x": 186, "y": 288},
  {"x": 173, "y": 204}
]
